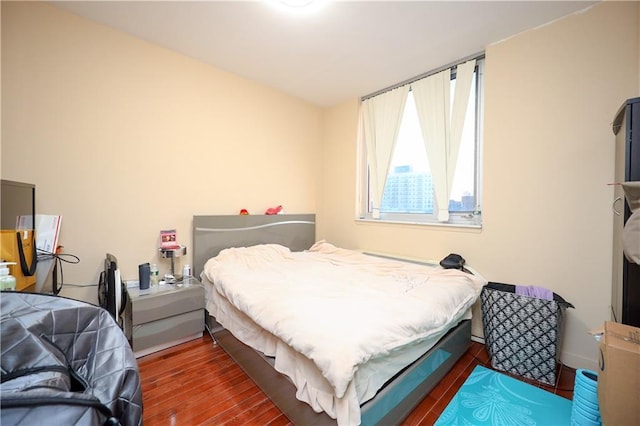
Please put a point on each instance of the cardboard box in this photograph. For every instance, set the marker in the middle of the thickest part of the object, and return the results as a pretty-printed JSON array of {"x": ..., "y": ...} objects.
[
  {"x": 10, "y": 252},
  {"x": 619, "y": 375}
]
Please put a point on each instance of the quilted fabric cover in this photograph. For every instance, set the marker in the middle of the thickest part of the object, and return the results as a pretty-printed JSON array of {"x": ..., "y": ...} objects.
[
  {"x": 522, "y": 333},
  {"x": 65, "y": 362}
]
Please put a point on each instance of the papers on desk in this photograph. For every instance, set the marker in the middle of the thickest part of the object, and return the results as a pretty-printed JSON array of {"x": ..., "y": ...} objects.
[{"x": 47, "y": 230}]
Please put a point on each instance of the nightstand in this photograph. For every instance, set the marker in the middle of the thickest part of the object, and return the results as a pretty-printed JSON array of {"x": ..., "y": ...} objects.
[{"x": 166, "y": 315}]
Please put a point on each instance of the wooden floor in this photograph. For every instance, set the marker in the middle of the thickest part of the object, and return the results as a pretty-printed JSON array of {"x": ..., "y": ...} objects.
[{"x": 197, "y": 383}]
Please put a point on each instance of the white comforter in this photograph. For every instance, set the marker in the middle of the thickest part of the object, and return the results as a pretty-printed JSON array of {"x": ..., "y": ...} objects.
[{"x": 338, "y": 307}]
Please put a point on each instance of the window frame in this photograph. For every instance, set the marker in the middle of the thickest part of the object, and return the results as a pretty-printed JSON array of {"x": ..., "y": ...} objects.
[{"x": 471, "y": 219}]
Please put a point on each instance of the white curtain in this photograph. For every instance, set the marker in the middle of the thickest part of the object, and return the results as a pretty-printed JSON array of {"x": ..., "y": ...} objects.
[
  {"x": 442, "y": 126},
  {"x": 382, "y": 115}
]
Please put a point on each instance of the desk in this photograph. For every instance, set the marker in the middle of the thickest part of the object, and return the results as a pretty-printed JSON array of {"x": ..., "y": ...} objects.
[{"x": 165, "y": 316}]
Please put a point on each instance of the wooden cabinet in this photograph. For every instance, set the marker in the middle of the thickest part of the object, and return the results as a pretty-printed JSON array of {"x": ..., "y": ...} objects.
[
  {"x": 625, "y": 294},
  {"x": 166, "y": 315}
]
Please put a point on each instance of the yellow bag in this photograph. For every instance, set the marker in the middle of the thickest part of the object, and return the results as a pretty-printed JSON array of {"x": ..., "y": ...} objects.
[{"x": 20, "y": 247}]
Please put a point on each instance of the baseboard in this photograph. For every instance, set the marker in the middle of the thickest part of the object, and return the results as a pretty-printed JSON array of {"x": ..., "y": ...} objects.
[
  {"x": 578, "y": 361},
  {"x": 478, "y": 339}
]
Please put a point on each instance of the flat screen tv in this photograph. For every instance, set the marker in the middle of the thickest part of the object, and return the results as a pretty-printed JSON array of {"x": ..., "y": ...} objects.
[{"x": 17, "y": 199}]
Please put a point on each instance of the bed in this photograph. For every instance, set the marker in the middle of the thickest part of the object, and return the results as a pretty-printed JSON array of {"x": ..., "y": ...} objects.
[{"x": 331, "y": 335}]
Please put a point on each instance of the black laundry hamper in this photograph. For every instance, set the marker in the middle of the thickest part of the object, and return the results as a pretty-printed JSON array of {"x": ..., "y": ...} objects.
[{"x": 522, "y": 333}]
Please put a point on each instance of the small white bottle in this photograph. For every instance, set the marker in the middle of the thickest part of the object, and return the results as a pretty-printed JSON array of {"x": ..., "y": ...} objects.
[
  {"x": 7, "y": 281},
  {"x": 155, "y": 275},
  {"x": 186, "y": 274}
]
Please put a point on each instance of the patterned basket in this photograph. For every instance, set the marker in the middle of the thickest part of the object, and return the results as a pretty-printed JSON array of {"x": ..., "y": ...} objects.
[{"x": 522, "y": 334}]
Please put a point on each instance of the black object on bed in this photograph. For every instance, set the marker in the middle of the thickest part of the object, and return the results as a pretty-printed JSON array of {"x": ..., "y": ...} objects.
[
  {"x": 65, "y": 362},
  {"x": 453, "y": 261}
]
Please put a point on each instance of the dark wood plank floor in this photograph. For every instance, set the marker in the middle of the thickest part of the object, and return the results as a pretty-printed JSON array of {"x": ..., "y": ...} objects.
[{"x": 197, "y": 383}]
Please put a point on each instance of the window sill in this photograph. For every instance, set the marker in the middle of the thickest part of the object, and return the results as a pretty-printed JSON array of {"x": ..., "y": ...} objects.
[{"x": 461, "y": 226}]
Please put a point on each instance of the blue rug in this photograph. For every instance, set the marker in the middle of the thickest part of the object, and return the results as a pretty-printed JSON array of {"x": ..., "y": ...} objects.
[{"x": 490, "y": 398}]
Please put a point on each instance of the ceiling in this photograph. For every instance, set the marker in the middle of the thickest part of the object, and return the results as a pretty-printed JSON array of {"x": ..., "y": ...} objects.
[{"x": 340, "y": 50}]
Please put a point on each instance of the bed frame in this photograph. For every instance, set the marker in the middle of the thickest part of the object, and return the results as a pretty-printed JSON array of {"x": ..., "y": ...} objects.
[{"x": 393, "y": 402}]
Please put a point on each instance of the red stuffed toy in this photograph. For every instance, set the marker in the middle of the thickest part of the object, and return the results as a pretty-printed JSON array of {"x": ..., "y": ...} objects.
[{"x": 274, "y": 210}]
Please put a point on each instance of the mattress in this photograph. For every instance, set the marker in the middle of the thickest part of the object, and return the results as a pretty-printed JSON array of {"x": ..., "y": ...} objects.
[{"x": 304, "y": 310}]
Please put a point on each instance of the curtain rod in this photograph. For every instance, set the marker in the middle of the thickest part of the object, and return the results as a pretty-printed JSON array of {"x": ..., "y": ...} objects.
[{"x": 475, "y": 56}]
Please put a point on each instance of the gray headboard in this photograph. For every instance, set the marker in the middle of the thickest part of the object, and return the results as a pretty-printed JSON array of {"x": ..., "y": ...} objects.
[{"x": 211, "y": 234}]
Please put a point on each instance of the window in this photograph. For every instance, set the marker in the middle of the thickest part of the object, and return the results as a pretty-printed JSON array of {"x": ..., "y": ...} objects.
[{"x": 401, "y": 162}]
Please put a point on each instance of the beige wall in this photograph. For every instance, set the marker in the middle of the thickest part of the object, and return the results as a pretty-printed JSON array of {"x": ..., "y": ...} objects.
[
  {"x": 90, "y": 113},
  {"x": 123, "y": 138},
  {"x": 550, "y": 97}
]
